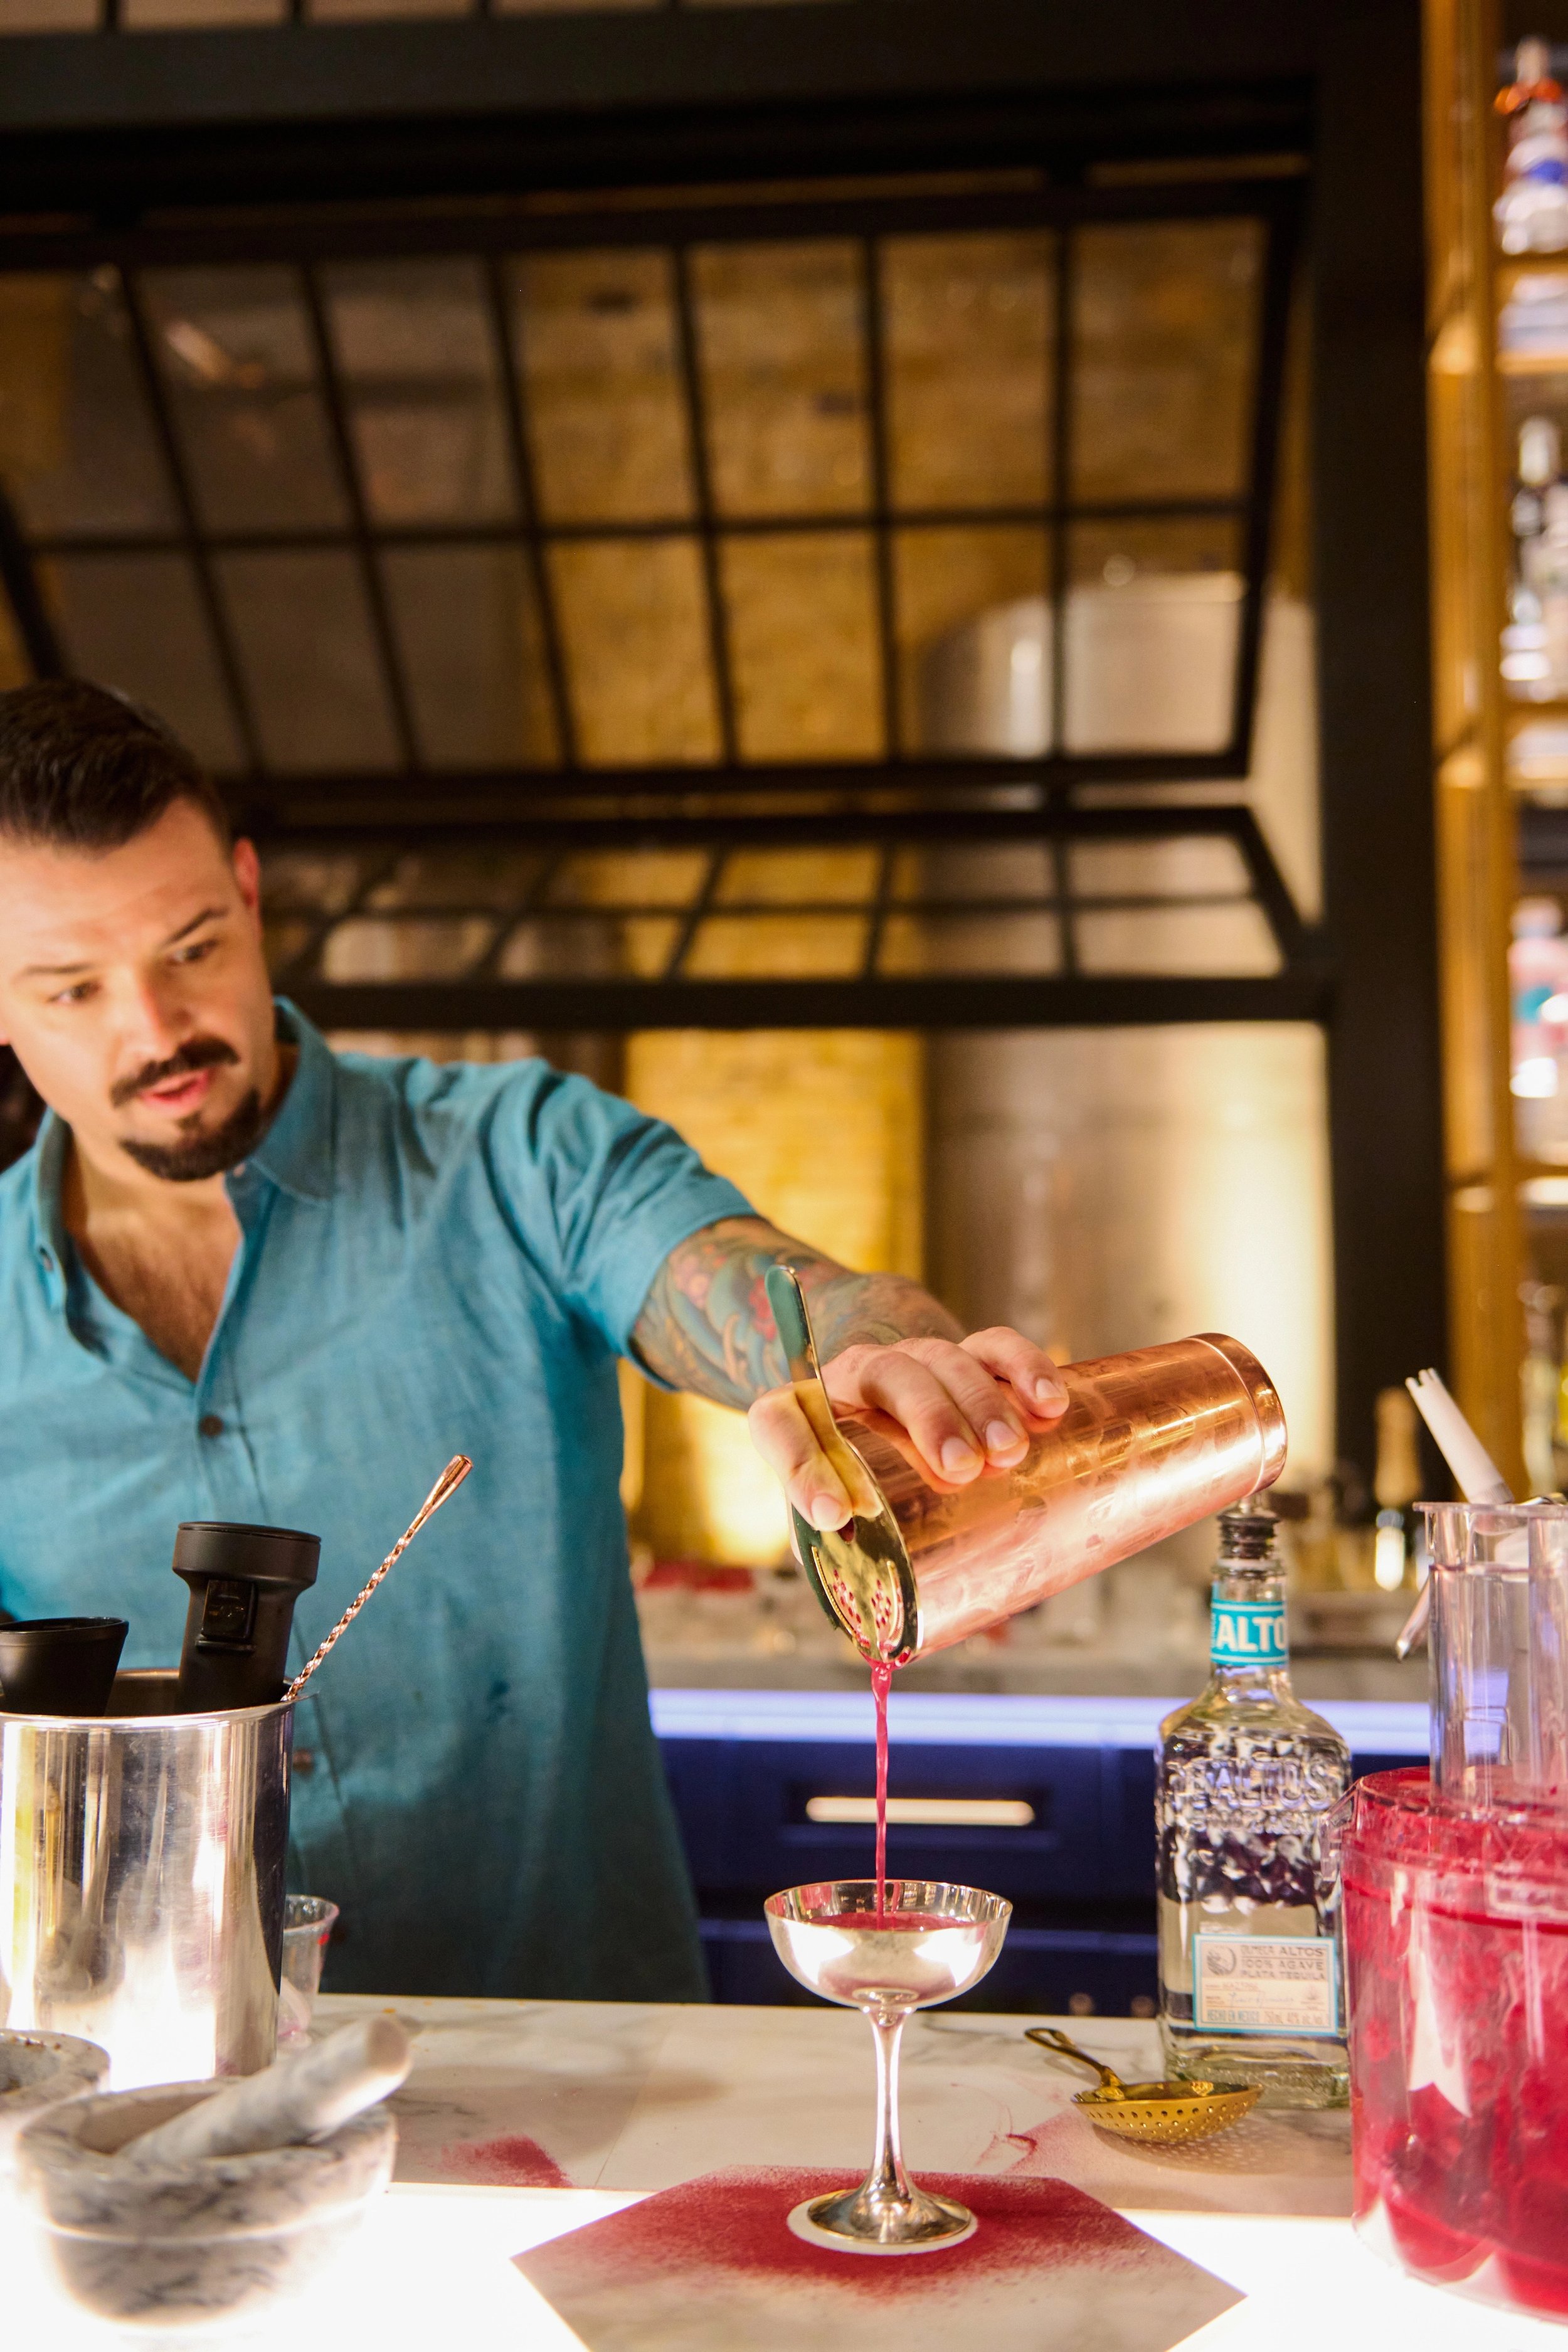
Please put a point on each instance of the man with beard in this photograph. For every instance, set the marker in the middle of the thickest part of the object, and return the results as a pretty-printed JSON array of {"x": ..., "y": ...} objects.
[{"x": 243, "y": 1277}]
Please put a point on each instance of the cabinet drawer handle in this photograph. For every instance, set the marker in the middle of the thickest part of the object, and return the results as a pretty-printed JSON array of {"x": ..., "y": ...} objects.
[{"x": 926, "y": 1812}]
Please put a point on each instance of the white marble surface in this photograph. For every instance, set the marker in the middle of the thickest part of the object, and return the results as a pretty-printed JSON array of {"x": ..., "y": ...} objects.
[
  {"x": 607, "y": 2095},
  {"x": 610, "y": 2090}
]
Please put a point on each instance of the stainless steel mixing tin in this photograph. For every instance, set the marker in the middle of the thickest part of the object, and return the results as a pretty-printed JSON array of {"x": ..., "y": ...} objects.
[{"x": 141, "y": 1870}]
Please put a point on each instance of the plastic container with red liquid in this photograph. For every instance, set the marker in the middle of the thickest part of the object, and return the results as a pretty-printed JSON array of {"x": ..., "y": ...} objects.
[{"x": 1454, "y": 1890}]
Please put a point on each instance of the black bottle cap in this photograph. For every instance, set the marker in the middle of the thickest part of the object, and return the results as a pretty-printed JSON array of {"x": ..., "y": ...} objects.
[
  {"x": 1247, "y": 1530},
  {"x": 227, "y": 1548}
]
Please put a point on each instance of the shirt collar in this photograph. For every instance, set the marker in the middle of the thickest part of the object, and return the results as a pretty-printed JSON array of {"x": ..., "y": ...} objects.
[{"x": 298, "y": 1150}]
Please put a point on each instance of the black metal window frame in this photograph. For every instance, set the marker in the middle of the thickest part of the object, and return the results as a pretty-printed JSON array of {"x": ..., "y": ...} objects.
[{"x": 496, "y": 234}]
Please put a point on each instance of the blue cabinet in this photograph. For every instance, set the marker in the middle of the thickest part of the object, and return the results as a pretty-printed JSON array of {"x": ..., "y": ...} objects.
[{"x": 758, "y": 1778}]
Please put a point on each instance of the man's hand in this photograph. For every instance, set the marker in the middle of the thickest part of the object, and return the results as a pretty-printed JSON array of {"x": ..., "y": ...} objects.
[
  {"x": 889, "y": 1352},
  {"x": 957, "y": 1404}
]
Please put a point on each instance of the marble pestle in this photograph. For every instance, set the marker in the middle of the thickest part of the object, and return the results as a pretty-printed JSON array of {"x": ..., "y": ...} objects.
[{"x": 303, "y": 2097}]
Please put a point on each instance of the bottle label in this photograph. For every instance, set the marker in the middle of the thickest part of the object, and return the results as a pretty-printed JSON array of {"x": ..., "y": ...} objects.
[
  {"x": 1248, "y": 1634},
  {"x": 1266, "y": 1984}
]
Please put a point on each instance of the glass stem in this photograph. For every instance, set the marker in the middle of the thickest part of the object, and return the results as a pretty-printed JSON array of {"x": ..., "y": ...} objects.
[{"x": 887, "y": 2178}]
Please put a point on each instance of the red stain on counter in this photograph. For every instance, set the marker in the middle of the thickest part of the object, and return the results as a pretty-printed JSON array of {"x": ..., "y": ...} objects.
[{"x": 512, "y": 2161}]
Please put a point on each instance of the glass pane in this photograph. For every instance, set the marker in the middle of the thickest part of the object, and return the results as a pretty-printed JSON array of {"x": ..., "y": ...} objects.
[
  {"x": 421, "y": 385},
  {"x": 1227, "y": 940},
  {"x": 777, "y": 946},
  {"x": 306, "y": 649},
  {"x": 324, "y": 11},
  {"x": 634, "y": 625},
  {"x": 147, "y": 15},
  {"x": 407, "y": 947},
  {"x": 15, "y": 667},
  {"x": 235, "y": 349},
  {"x": 50, "y": 16},
  {"x": 793, "y": 878},
  {"x": 599, "y": 359},
  {"x": 974, "y": 673},
  {"x": 77, "y": 445},
  {"x": 559, "y": 7},
  {"x": 969, "y": 331},
  {"x": 781, "y": 332},
  {"x": 1196, "y": 867},
  {"x": 589, "y": 947},
  {"x": 633, "y": 877},
  {"x": 1003, "y": 942},
  {"x": 458, "y": 878},
  {"x": 467, "y": 625},
  {"x": 802, "y": 614},
  {"x": 136, "y": 622},
  {"x": 1164, "y": 356},
  {"x": 1152, "y": 617},
  {"x": 987, "y": 870},
  {"x": 311, "y": 881}
]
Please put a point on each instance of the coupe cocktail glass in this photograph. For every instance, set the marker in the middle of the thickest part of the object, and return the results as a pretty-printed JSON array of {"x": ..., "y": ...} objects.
[{"x": 925, "y": 1942}]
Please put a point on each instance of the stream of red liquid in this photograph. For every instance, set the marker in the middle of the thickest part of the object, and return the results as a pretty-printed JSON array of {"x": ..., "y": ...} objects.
[{"x": 881, "y": 1676}]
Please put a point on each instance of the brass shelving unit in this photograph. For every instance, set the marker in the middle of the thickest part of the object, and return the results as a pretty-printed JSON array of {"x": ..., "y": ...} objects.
[{"x": 1476, "y": 862}]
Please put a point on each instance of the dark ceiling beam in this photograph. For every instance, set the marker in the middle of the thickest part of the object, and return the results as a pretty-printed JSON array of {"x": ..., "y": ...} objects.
[
  {"x": 587, "y": 61},
  {"x": 103, "y": 129},
  {"x": 1017, "y": 1001}
]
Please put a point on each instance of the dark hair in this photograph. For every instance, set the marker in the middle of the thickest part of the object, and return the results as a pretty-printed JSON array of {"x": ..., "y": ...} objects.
[{"x": 81, "y": 768}]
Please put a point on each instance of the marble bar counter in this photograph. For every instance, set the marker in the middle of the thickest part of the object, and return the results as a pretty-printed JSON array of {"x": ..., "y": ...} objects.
[{"x": 526, "y": 2123}]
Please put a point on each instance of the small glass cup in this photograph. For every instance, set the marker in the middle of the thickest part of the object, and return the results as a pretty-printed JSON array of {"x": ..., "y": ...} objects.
[
  {"x": 307, "y": 1922},
  {"x": 1499, "y": 1645}
]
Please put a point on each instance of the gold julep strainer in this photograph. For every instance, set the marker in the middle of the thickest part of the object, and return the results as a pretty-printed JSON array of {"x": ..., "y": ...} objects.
[{"x": 1163, "y": 2113}]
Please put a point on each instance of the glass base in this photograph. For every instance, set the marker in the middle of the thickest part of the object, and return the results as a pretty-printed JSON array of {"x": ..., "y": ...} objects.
[
  {"x": 1287, "y": 2078},
  {"x": 857, "y": 2221}
]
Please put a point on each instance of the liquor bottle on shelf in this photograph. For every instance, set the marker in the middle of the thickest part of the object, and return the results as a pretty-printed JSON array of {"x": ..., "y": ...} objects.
[
  {"x": 1532, "y": 213},
  {"x": 1549, "y": 566},
  {"x": 1396, "y": 1483},
  {"x": 1526, "y": 668},
  {"x": 1251, "y": 1979}
]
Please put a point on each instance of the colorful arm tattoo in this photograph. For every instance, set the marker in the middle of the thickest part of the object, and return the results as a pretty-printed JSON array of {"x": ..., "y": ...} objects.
[{"x": 706, "y": 1323}]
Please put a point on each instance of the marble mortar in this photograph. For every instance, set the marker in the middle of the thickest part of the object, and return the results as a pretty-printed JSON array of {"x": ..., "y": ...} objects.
[
  {"x": 37, "y": 2071},
  {"x": 188, "y": 2244}
]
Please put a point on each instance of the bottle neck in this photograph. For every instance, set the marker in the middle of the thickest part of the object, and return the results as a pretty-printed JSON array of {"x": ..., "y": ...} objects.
[{"x": 1248, "y": 1642}]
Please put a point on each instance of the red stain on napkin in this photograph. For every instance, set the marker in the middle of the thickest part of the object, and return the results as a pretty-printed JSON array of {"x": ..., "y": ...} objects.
[{"x": 735, "y": 2223}]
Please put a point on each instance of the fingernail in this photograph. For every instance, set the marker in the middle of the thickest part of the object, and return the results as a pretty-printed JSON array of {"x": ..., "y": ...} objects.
[
  {"x": 827, "y": 1512},
  {"x": 1000, "y": 1437},
  {"x": 1048, "y": 1391},
  {"x": 959, "y": 1458}
]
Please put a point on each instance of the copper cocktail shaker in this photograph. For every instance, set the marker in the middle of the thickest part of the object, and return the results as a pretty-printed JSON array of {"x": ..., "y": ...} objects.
[{"x": 1150, "y": 1441}]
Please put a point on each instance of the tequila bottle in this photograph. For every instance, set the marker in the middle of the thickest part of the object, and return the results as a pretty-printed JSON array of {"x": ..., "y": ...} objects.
[{"x": 1251, "y": 1973}]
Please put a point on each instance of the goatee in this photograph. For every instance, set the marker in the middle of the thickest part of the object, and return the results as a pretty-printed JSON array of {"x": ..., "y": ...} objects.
[{"x": 209, "y": 1154}]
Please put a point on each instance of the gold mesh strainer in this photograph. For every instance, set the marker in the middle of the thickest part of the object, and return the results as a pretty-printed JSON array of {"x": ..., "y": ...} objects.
[{"x": 1165, "y": 2114}]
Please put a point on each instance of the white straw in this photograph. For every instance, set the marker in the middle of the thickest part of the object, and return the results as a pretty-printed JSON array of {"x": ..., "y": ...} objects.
[{"x": 1476, "y": 1475}]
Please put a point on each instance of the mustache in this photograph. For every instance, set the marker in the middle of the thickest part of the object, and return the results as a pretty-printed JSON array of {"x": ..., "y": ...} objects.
[{"x": 200, "y": 1053}]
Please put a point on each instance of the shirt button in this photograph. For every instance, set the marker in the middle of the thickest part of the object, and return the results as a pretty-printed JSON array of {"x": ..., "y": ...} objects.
[
  {"x": 304, "y": 1760},
  {"x": 211, "y": 1425},
  {"x": 47, "y": 1260}
]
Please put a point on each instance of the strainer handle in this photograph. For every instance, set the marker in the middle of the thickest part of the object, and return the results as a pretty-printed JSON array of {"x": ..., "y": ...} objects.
[{"x": 1049, "y": 2038}]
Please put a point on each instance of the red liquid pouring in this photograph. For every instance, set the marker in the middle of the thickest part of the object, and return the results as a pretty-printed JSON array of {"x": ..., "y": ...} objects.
[{"x": 881, "y": 1677}]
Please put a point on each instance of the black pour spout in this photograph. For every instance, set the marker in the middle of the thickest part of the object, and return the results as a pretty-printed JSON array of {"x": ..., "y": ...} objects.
[{"x": 244, "y": 1583}]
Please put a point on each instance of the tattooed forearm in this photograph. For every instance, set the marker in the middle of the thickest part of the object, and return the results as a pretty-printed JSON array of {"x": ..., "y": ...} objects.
[{"x": 706, "y": 1325}]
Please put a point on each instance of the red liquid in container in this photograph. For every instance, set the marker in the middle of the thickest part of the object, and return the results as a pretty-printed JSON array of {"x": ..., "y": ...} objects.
[
  {"x": 1456, "y": 1938},
  {"x": 896, "y": 1923}
]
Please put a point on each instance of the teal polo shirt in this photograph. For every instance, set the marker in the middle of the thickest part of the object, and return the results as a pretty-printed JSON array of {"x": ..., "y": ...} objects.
[{"x": 436, "y": 1258}]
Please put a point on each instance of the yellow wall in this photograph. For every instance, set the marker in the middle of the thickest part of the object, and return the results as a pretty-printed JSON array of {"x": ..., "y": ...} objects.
[{"x": 822, "y": 1131}]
